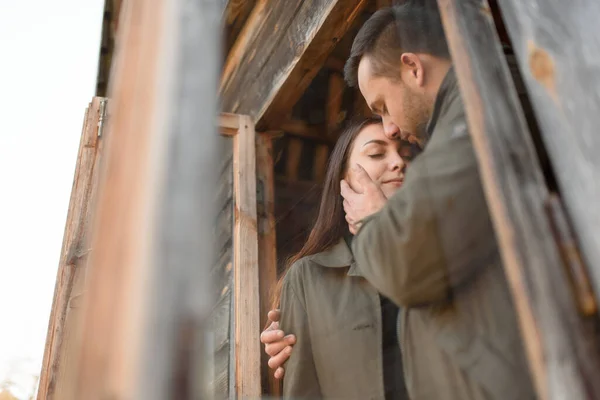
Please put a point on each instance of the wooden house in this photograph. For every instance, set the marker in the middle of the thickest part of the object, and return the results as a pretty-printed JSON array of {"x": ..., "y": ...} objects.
[{"x": 184, "y": 208}]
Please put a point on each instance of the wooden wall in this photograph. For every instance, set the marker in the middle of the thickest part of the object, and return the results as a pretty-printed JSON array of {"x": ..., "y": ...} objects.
[{"x": 222, "y": 315}]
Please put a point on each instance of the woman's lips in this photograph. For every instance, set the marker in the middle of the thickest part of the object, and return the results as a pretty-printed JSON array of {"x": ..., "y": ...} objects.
[{"x": 397, "y": 182}]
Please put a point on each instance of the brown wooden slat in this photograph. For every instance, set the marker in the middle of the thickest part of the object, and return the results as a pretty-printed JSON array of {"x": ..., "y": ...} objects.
[
  {"x": 558, "y": 49},
  {"x": 245, "y": 264},
  {"x": 279, "y": 52},
  {"x": 63, "y": 328},
  {"x": 561, "y": 350}
]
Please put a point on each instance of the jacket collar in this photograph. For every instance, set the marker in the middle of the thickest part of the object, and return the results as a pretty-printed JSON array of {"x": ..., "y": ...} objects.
[
  {"x": 338, "y": 256},
  {"x": 448, "y": 87}
]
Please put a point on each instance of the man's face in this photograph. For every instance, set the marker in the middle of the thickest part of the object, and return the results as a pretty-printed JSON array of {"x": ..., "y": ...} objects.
[{"x": 404, "y": 112}]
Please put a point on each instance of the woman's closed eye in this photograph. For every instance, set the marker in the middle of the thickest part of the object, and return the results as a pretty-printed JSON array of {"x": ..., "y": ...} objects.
[{"x": 376, "y": 155}]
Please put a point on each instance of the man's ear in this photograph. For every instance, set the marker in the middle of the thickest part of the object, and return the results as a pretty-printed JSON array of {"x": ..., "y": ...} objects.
[{"x": 412, "y": 68}]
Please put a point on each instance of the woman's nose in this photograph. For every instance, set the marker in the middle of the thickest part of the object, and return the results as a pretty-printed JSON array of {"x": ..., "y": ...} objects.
[{"x": 397, "y": 163}]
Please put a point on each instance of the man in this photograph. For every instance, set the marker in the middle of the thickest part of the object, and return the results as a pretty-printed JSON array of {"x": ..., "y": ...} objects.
[{"x": 431, "y": 248}]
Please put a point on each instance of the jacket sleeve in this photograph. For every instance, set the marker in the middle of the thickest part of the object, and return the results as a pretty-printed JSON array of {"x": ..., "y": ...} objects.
[
  {"x": 435, "y": 232},
  {"x": 300, "y": 379}
]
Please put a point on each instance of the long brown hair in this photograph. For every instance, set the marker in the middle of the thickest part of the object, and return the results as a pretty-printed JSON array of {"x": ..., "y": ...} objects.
[{"x": 330, "y": 225}]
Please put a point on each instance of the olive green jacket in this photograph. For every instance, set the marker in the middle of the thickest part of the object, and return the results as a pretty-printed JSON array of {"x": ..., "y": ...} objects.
[
  {"x": 336, "y": 317},
  {"x": 433, "y": 251}
]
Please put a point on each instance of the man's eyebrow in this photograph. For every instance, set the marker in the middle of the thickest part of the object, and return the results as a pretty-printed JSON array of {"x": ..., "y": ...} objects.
[{"x": 373, "y": 106}]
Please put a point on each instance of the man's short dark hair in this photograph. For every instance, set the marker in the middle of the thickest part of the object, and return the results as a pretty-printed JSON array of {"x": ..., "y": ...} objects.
[{"x": 413, "y": 27}]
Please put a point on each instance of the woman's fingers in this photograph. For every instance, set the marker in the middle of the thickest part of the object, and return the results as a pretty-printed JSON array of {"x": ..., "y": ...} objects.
[
  {"x": 272, "y": 334},
  {"x": 279, "y": 359},
  {"x": 279, "y": 372},
  {"x": 274, "y": 315},
  {"x": 275, "y": 347}
]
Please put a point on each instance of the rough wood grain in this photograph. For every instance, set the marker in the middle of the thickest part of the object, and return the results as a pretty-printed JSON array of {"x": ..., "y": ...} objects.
[
  {"x": 245, "y": 264},
  {"x": 267, "y": 244},
  {"x": 279, "y": 52},
  {"x": 236, "y": 15},
  {"x": 562, "y": 353},
  {"x": 148, "y": 295},
  {"x": 63, "y": 326},
  {"x": 557, "y": 44}
]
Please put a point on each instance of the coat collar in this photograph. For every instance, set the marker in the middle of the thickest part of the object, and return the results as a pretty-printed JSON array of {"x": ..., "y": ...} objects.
[
  {"x": 338, "y": 256},
  {"x": 448, "y": 87}
]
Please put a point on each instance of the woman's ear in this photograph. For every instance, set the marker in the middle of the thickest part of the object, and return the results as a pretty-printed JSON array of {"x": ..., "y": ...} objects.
[{"x": 413, "y": 69}]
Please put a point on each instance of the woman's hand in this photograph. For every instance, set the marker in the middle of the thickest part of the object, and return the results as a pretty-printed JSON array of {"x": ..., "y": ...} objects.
[{"x": 277, "y": 345}]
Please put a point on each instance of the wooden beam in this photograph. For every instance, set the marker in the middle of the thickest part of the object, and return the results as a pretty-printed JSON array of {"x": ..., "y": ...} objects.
[
  {"x": 63, "y": 329},
  {"x": 147, "y": 298},
  {"x": 267, "y": 245},
  {"x": 561, "y": 348},
  {"x": 228, "y": 124},
  {"x": 281, "y": 49},
  {"x": 245, "y": 264},
  {"x": 302, "y": 130},
  {"x": 560, "y": 69}
]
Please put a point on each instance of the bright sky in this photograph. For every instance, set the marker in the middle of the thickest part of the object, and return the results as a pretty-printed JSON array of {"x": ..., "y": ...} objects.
[{"x": 48, "y": 63}]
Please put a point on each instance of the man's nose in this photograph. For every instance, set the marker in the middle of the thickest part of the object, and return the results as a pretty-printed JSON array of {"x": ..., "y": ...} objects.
[{"x": 390, "y": 130}]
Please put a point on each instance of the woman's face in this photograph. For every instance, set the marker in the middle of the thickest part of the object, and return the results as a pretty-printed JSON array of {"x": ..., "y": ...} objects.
[{"x": 383, "y": 159}]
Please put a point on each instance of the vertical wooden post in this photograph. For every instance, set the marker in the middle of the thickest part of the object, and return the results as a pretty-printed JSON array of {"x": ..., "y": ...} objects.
[
  {"x": 245, "y": 264},
  {"x": 559, "y": 66},
  {"x": 294, "y": 154},
  {"x": 149, "y": 280},
  {"x": 63, "y": 331},
  {"x": 562, "y": 347},
  {"x": 267, "y": 243},
  {"x": 335, "y": 96}
]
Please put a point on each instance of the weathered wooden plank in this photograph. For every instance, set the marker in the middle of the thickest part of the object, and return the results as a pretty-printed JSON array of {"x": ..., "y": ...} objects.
[
  {"x": 148, "y": 294},
  {"x": 224, "y": 192},
  {"x": 224, "y": 228},
  {"x": 557, "y": 44},
  {"x": 245, "y": 264},
  {"x": 63, "y": 325},
  {"x": 562, "y": 353},
  {"x": 279, "y": 53},
  {"x": 236, "y": 14},
  {"x": 267, "y": 243}
]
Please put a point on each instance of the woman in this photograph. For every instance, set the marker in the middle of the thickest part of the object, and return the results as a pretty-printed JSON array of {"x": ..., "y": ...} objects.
[{"x": 346, "y": 344}]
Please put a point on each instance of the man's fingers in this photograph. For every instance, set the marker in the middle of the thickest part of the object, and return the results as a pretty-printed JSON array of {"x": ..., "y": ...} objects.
[
  {"x": 274, "y": 315},
  {"x": 352, "y": 229},
  {"x": 270, "y": 336},
  {"x": 279, "y": 372},
  {"x": 361, "y": 176},
  {"x": 279, "y": 359},
  {"x": 346, "y": 190},
  {"x": 349, "y": 220}
]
